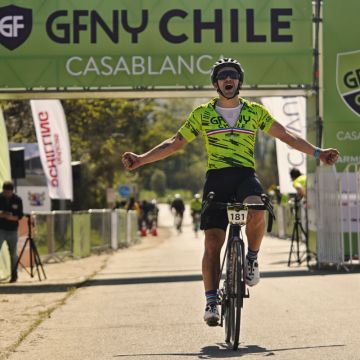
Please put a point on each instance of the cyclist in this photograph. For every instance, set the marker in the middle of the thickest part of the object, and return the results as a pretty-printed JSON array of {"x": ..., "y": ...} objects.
[
  {"x": 229, "y": 124},
  {"x": 153, "y": 214},
  {"x": 178, "y": 207},
  {"x": 195, "y": 207}
]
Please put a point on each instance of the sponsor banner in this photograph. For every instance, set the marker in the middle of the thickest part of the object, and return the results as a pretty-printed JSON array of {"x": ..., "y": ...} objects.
[
  {"x": 341, "y": 50},
  {"x": 291, "y": 113},
  {"x": 5, "y": 171},
  {"x": 54, "y": 147},
  {"x": 129, "y": 44},
  {"x": 35, "y": 198}
]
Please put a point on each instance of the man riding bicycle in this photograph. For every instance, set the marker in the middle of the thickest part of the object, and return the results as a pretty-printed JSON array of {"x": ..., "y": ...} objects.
[
  {"x": 178, "y": 207},
  {"x": 195, "y": 208},
  {"x": 229, "y": 124}
]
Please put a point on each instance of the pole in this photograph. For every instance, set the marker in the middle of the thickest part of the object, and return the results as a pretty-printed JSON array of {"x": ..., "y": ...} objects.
[{"x": 316, "y": 76}]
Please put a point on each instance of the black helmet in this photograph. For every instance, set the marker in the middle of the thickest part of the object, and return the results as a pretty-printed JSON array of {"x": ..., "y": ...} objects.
[
  {"x": 295, "y": 173},
  {"x": 225, "y": 62}
]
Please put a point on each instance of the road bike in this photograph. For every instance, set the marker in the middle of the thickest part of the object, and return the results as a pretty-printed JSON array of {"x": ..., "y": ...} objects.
[{"x": 233, "y": 289}]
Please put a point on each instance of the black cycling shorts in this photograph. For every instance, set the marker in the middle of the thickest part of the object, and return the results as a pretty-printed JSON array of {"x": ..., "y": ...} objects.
[{"x": 226, "y": 183}]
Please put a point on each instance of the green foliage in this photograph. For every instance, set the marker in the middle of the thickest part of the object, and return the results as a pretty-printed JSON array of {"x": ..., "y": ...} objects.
[
  {"x": 18, "y": 121},
  {"x": 158, "y": 182},
  {"x": 100, "y": 132},
  {"x": 169, "y": 195},
  {"x": 266, "y": 165}
]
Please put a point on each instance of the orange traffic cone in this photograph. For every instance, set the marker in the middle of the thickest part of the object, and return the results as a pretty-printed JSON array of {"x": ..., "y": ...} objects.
[
  {"x": 153, "y": 229},
  {"x": 143, "y": 231}
]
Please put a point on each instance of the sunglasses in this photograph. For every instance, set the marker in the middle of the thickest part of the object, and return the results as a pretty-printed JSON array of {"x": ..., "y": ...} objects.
[{"x": 228, "y": 73}]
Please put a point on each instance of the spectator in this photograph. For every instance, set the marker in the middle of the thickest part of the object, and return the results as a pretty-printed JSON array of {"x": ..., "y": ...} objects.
[{"x": 132, "y": 204}]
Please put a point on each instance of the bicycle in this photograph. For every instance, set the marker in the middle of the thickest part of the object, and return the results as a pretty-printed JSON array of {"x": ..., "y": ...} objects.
[{"x": 233, "y": 290}]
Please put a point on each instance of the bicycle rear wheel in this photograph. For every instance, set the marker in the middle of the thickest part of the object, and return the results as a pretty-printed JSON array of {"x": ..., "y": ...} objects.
[{"x": 235, "y": 291}]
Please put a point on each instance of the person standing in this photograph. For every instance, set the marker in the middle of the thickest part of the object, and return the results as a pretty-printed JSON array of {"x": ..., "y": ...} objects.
[{"x": 11, "y": 211}]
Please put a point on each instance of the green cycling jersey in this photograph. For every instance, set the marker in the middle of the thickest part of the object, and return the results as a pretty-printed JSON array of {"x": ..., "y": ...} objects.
[
  {"x": 195, "y": 205},
  {"x": 227, "y": 146},
  {"x": 300, "y": 181}
]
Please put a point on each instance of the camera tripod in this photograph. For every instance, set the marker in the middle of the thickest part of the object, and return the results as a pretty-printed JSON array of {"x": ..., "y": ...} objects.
[
  {"x": 33, "y": 253},
  {"x": 297, "y": 231}
]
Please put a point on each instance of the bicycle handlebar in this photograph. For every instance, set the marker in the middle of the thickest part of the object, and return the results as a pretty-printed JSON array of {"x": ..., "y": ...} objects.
[{"x": 266, "y": 205}]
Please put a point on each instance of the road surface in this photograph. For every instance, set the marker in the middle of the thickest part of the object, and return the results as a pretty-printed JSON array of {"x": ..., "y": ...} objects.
[{"x": 148, "y": 303}]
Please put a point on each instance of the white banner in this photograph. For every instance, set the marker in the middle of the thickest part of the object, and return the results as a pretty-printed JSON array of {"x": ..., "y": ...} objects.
[
  {"x": 54, "y": 147},
  {"x": 5, "y": 172},
  {"x": 291, "y": 113}
]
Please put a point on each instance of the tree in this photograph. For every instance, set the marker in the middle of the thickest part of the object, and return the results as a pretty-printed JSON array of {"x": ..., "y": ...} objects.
[
  {"x": 100, "y": 131},
  {"x": 158, "y": 182},
  {"x": 18, "y": 121}
]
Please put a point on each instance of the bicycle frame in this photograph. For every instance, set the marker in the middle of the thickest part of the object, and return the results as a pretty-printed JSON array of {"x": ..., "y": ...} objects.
[{"x": 234, "y": 235}]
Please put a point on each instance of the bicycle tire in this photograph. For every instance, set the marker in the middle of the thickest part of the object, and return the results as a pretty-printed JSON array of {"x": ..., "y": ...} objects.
[{"x": 233, "y": 300}]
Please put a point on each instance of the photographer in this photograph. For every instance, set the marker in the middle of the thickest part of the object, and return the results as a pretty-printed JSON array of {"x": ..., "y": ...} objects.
[
  {"x": 299, "y": 182},
  {"x": 11, "y": 211}
]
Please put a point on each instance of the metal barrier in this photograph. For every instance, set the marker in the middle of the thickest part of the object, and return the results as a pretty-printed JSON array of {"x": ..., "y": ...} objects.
[
  {"x": 120, "y": 231},
  {"x": 64, "y": 233},
  {"x": 53, "y": 238},
  {"x": 338, "y": 225},
  {"x": 329, "y": 244},
  {"x": 334, "y": 201},
  {"x": 349, "y": 189},
  {"x": 100, "y": 228}
]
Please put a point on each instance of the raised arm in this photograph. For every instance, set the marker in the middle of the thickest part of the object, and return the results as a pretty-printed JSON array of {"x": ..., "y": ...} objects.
[
  {"x": 327, "y": 156},
  {"x": 132, "y": 161}
]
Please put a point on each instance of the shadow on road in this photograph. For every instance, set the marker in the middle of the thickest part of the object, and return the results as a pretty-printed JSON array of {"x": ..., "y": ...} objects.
[
  {"x": 48, "y": 288},
  {"x": 222, "y": 351}
]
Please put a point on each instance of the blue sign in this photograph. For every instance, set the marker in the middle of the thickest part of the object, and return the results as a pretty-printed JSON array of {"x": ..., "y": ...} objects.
[{"x": 124, "y": 190}]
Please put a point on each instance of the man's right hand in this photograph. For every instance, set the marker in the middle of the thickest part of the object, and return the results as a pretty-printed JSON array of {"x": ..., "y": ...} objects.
[{"x": 131, "y": 161}]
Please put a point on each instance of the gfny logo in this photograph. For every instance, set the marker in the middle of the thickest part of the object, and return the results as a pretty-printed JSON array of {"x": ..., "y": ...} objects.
[
  {"x": 15, "y": 26},
  {"x": 348, "y": 79}
]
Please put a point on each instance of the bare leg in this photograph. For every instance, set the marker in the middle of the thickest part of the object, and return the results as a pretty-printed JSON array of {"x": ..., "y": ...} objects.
[
  {"x": 214, "y": 240},
  {"x": 255, "y": 227}
]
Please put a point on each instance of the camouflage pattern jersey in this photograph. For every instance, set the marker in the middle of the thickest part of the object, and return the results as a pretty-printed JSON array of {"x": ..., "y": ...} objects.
[{"x": 227, "y": 146}]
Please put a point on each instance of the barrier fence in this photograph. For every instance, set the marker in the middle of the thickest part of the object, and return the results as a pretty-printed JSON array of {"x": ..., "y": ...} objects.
[
  {"x": 336, "y": 202},
  {"x": 339, "y": 213},
  {"x": 58, "y": 234}
]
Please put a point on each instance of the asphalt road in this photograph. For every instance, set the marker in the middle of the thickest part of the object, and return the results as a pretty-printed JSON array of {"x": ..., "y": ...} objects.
[{"x": 148, "y": 303}]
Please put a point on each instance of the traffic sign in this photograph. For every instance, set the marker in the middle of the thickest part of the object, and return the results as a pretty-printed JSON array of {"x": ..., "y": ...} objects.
[{"x": 124, "y": 190}]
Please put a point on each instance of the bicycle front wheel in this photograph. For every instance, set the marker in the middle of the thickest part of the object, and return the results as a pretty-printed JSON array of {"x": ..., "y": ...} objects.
[{"x": 235, "y": 291}]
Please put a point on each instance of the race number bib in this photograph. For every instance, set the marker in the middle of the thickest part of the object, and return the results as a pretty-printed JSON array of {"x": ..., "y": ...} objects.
[{"x": 237, "y": 215}]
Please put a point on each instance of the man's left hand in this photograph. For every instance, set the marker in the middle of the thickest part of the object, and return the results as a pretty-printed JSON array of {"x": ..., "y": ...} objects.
[{"x": 329, "y": 156}]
